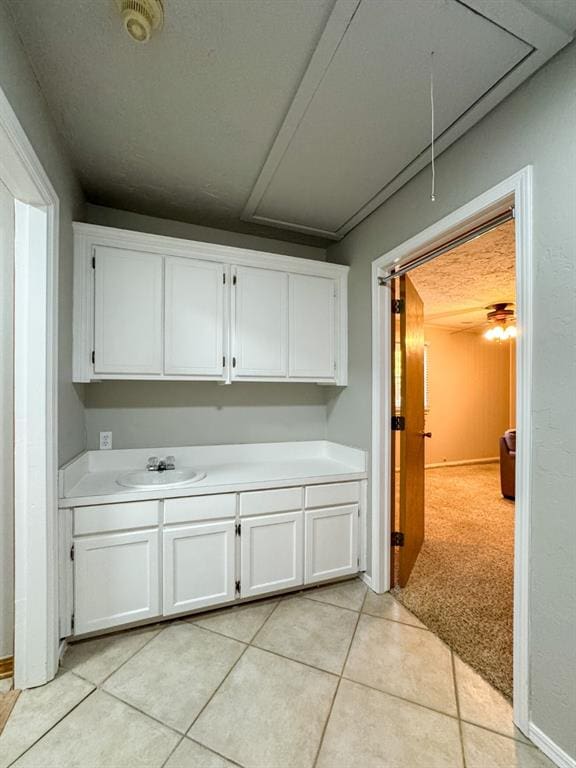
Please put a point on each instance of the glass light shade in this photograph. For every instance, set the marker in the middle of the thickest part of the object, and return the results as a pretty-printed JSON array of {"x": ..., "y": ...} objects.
[{"x": 500, "y": 333}]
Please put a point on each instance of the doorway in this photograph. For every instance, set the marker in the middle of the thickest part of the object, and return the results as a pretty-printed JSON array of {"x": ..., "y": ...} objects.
[
  {"x": 454, "y": 382},
  {"x": 515, "y": 192}
]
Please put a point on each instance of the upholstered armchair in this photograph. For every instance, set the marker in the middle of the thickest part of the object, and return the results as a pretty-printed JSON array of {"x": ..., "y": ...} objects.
[{"x": 508, "y": 464}]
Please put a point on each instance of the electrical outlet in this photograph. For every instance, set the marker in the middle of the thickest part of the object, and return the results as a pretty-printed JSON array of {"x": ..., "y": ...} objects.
[{"x": 105, "y": 441}]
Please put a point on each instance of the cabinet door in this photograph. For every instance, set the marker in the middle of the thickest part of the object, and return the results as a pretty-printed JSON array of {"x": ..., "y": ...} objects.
[
  {"x": 272, "y": 549},
  {"x": 128, "y": 312},
  {"x": 261, "y": 323},
  {"x": 116, "y": 579},
  {"x": 194, "y": 312},
  {"x": 198, "y": 566},
  {"x": 312, "y": 324},
  {"x": 331, "y": 543}
]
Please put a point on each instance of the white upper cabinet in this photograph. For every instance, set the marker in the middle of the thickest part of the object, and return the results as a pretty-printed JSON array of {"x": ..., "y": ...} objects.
[
  {"x": 260, "y": 348},
  {"x": 128, "y": 298},
  {"x": 152, "y": 307},
  {"x": 312, "y": 327},
  {"x": 194, "y": 318}
]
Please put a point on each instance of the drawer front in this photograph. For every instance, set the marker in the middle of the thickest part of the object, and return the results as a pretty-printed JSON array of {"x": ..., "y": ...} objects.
[
  {"x": 115, "y": 517},
  {"x": 196, "y": 508},
  {"x": 334, "y": 493},
  {"x": 265, "y": 502}
]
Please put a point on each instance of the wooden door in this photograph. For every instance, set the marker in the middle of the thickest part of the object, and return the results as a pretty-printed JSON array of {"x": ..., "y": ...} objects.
[
  {"x": 194, "y": 312},
  {"x": 411, "y": 488},
  {"x": 116, "y": 579},
  {"x": 128, "y": 298},
  {"x": 312, "y": 313},
  {"x": 198, "y": 566},
  {"x": 260, "y": 344},
  {"x": 331, "y": 543},
  {"x": 272, "y": 553}
]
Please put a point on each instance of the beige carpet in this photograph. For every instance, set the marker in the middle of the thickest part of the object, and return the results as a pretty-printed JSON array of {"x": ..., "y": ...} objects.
[{"x": 462, "y": 584}]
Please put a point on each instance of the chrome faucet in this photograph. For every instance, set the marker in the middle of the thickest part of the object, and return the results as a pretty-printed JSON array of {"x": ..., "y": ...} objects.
[{"x": 155, "y": 465}]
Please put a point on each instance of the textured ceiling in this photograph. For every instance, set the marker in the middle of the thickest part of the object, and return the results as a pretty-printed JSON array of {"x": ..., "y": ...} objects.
[
  {"x": 456, "y": 286},
  {"x": 269, "y": 115}
]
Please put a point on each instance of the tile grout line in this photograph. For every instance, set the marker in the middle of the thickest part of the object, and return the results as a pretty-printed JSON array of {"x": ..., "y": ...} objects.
[
  {"x": 329, "y": 715},
  {"x": 460, "y": 731},
  {"x": 82, "y": 700},
  {"x": 247, "y": 646}
]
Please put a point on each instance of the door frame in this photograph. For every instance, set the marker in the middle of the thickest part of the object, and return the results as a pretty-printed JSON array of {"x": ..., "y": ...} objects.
[
  {"x": 515, "y": 190},
  {"x": 36, "y": 252}
]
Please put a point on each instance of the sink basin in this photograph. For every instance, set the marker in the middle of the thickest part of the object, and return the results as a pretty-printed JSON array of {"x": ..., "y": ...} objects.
[{"x": 171, "y": 478}]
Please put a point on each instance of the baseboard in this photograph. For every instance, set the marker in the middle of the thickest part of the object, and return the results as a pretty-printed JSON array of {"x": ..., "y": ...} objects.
[
  {"x": 62, "y": 649},
  {"x": 553, "y": 751},
  {"x": 463, "y": 463},
  {"x": 367, "y": 580},
  {"x": 6, "y": 667}
]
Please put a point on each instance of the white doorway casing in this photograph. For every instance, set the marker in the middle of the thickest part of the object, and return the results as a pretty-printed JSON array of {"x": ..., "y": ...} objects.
[
  {"x": 35, "y": 404},
  {"x": 516, "y": 191}
]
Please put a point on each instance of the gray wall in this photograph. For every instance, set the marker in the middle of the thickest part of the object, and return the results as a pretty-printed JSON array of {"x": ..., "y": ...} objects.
[
  {"x": 190, "y": 413},
  {"x": 536, "y": 125},
  {"x": 20, "y": 87}
]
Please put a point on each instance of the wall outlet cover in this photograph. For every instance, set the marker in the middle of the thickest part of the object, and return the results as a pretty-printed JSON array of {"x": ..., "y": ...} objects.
[{"x": 105, "y": 441}]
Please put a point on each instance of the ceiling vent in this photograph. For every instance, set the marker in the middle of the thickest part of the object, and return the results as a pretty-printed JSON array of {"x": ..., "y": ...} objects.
[{"x": 141, "y": 17}]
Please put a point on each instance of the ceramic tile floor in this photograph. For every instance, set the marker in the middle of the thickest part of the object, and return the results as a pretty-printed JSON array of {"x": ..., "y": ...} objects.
[{"x": 332, "y": 677}]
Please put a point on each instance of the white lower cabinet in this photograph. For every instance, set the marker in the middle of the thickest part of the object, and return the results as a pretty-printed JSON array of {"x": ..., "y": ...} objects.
[
  {"x": 198, "y": 566},
  {"x": 268, "y": 540},
  {"x": 116, "y": 579},
  {"x": 331, "y": 543},
  {"x": 271, "y": 551}
]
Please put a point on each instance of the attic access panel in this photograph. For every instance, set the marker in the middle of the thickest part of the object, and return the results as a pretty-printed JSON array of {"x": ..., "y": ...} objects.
[{"x": 369, "y": 117}]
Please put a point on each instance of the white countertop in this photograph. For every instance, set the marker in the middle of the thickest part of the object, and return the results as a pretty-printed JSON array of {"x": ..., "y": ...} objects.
[{"x": 92, "y": 477}]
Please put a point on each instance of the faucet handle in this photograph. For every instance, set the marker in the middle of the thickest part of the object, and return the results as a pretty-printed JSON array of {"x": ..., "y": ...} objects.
[
  {"x": 170, "y": 462},
  {"x": 152, "y": 464}
]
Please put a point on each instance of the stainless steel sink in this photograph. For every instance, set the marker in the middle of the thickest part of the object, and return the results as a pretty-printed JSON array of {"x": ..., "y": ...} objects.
[{"x": 172, "y": 478}]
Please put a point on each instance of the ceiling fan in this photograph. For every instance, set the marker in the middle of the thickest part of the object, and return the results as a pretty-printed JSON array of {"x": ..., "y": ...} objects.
[{"x": 500, "y": 321}]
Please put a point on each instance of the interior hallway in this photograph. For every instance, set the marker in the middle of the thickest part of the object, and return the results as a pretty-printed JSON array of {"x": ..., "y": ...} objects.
[{"x": 462, "y": 584}]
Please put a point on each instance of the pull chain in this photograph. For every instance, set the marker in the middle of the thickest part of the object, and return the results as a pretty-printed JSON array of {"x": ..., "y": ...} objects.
[{"x": 433, "y": 189}]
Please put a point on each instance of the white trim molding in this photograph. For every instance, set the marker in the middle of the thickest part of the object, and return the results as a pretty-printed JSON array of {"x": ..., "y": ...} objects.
[
  {"x": 558, "y": 756},
  {"x": 517, "y": 191},
  {"x": 35, "y": 404}
]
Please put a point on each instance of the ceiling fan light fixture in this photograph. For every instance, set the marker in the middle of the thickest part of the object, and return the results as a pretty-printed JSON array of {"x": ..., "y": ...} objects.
[{"x": 141, "y": 17}]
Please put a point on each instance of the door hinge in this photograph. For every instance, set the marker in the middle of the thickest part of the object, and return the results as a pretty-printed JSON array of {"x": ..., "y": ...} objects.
[
  {"x": 237, "y": 587},
  {"x": 398, "y": 423},
  {"x": 72, "y": 552},
  {"x": 397, "y": 306},
  {"x": 93, "y": 262},
  {"x": 224, "y": 361},
  {"x": 72, "y": 622},
  {"x": 238, "y": 529},
  {"x": 234, "y": 280},
  {"x": 233, "y": 362},
  {"x": 224, "y": 277},
  {"x": 397, "y": 539},
  {"x": 93, "y": 357}
]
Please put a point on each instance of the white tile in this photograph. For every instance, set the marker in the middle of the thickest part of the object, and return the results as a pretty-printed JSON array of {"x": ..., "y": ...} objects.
[
  {"x": 371, "y": 729},
  {"x": 387, "y": 607},
  {"x": 239, "y": 622},
  {"x": 37, "y": 710},
  {"x": 188, "y": 754},
  {"x": 96, "y": 659},
  {"x": 270, "y": 712},
  {"x": 102, "y": 733},
  {"x": 481, "y": 704},
  {"x": 347, "y": 594},
  {"x": 173, "y": 676},
  {"x": 403, "y": 660},
  {"x": 306, "y": 630},
  {"x": 484, "y": 749}
]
